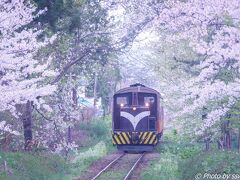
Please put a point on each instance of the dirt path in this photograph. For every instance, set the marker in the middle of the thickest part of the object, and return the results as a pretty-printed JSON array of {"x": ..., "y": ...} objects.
[
  {"x": 98, "y": 166},
  {"x": 118, "y": 170}
]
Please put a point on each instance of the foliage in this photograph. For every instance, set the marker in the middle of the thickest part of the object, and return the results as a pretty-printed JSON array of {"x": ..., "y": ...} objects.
[
  {"x": 183, "y": 160},
  {"x": 234, "y": 115},
  {"x": 172, "y": 151},
  {"x": 26, "y": 166},
  {"x": 214, "y": 162},
  {"x": 49, "y": 166},
  {"x": 214, "y": 41},
  {"x": 99, "y": 130},
  {"x": 97, "y": 146},
  {"x": 55, "y": 10},
  {"x": 165, "y": 168},
  {"x": 79, "y": 44},
  {"x": 81, "y": 50},
  {"x": 193, "y": 57},
  {"x": 188, "y": 50},
  {"x": 85, "y": 158},
  {"x": 21, "y": 75}
]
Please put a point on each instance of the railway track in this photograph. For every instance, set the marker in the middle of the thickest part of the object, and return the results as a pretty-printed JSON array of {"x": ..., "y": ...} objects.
[{"x": 117, "y": 162}]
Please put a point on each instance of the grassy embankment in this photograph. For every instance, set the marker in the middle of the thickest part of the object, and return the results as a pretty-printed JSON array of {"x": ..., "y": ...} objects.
[
  {"x": 43, "y": 165},
  {"x": 181, "y": 160}
]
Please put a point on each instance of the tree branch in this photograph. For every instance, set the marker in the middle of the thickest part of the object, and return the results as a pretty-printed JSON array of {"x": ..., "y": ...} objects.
[{"x": 70, "y": 64}]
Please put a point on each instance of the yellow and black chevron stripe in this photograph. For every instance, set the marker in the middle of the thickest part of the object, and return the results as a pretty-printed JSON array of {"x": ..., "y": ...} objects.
[
  {"x": 148, "y": 138},
  {"x": 120, "y": 138},
  {"x": 123, "y": 138}
]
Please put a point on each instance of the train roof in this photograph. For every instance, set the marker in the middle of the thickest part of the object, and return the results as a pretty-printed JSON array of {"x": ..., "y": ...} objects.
[{"x": 138, "y": 88}]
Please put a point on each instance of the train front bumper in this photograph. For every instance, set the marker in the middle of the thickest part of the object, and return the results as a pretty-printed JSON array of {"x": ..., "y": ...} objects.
[{"x": 135, "y": 138}]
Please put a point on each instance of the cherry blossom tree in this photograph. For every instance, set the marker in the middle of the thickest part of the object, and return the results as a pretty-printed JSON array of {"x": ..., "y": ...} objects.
[
  {"x": 211, "y": 29},
  {"x": 22, "y": 77}
]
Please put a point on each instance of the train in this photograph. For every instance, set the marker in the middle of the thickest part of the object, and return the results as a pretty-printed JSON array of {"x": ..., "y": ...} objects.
[{"x": 137, "y": 118}]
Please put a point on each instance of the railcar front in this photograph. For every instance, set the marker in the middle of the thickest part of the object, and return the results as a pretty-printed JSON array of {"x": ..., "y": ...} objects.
[{"x": 137, "y": 119}]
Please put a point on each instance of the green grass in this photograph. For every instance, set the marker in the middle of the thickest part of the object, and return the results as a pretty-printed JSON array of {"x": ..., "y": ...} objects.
[
  {"x": 164, "y": 168},
  {"x": 99, "y": 130},
  {"x": 26, "y": 166},
  {"x": 113, "y": 175},
  {"x": 181, "y": 160},
  {"x": 213, "y": 162},
  {"x": 84, "y": 159},
  {"x": 46, "y": 166},
  {"x": 100, "y": 144}
]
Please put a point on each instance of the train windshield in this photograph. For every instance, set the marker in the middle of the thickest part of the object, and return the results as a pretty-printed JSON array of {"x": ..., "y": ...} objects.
[
  {"x": 139, "y": 99},
  {"x": 146, "y": 99},
  {"x": 123, "y": 100}
]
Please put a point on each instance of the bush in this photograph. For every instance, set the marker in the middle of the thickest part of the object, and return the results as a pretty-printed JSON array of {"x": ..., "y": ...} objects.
[
  {"x": 185, "y": 160},
  {"x": 164, "y": 168},
  {"x": 213, "y": 162},
  {"x": 98, "y": 127},
  {"x": 99, "y": 144},
  {"x": 85, "y": 158},
  {"x": 99, "y": 130},
  {"x": 26, "y": 166}
]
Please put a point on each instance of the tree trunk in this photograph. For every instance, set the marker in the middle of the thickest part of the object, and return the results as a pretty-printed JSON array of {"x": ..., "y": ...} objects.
[
  {"x": 27, "y": 125},
  {"x": 95, "y": 90},
  {"x": 5, "y": 167},
  {"x": 6, "y": 141},
  {"x": 207, "y": 144},
  {"x": 239, "y": 140},
  {"x": 227, "y": 140},
  {"x": 69, "y": 134},
  {"x": 228, "y": 135},
  {"x": 74, "y": 96},
  {"x": 220, "y": 143}
]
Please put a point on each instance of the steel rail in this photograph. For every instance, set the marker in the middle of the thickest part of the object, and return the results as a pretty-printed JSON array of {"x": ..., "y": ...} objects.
[
  {"x": 133, "y": 167},
  {"x": 108, "y": 166}
]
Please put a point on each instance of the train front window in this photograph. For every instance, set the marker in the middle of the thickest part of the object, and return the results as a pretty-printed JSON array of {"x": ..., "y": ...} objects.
[
  {"x": 148, "y": 100},
  {"x": 145, "y": 99},
  {"x": 123, "y": 100}
]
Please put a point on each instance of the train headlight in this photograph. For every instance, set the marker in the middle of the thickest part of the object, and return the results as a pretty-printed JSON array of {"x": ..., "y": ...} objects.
[
  {"x": 147, "y": 104},
  {"x": 121, "y": 105},
  {"x": 134, "y": 108}
]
